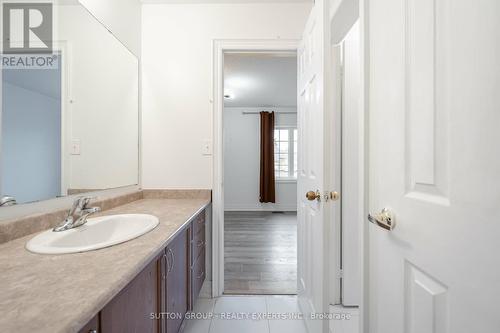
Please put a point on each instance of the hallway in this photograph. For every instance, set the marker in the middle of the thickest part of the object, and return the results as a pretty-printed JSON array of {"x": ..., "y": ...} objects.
[{"x": 260, "y": 253}]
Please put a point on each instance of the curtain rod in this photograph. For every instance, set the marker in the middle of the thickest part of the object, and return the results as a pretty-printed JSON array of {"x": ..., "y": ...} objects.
[{"x": 258, "y": 112}]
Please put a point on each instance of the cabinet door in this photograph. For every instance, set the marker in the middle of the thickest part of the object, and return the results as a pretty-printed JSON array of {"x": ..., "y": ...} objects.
[
  {"x": 131, "y": 311},
  {"x": 198, "y": 273},
  {"x": 198, "y": 269},
  {"x": 198, "y": 239},
  {"x": 177, "y": 281}
]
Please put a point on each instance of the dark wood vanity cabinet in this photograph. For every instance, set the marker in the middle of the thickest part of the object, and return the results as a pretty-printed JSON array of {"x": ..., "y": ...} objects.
[
  {"x": 177, "y": 282},
  {"x": 159, "y": 297},
  {"x": 198, "y": 245},
  {"x": 132, "y": 310}
]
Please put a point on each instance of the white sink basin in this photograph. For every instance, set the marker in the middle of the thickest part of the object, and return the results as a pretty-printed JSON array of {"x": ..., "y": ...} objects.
[{"x": 97, "y": 233}]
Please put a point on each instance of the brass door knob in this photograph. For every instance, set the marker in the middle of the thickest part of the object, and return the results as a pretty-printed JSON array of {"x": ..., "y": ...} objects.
[
  {"x": 334, "y": 195},
  {"x": 311, "y": 195}
]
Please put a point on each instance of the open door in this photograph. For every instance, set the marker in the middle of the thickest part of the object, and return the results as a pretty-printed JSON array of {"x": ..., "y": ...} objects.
[
  {"x": 312, "y": 178},
  {"x": 434, "y": 110}
]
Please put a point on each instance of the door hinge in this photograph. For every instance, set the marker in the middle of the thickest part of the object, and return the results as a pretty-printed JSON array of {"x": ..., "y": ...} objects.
[{"x": 341, "y": 274}]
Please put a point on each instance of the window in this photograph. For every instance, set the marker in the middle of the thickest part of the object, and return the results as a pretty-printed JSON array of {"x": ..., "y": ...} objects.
[{"x": 285, "y": 153}]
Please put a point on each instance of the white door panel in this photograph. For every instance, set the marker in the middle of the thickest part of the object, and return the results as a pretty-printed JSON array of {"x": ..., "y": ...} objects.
[
  {"x": 312, "y": 118},
  {"x": 434, "y": 102}
]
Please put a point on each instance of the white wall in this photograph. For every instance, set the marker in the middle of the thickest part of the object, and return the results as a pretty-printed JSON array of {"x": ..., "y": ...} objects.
[
  {"x": 242, "y": 162},
  {"x": 122, "y": 17},
  {"x": 177, "y": 79}
]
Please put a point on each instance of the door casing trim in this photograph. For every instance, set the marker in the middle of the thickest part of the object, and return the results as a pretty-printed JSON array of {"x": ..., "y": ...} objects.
[{"x": 220, "y": 47}]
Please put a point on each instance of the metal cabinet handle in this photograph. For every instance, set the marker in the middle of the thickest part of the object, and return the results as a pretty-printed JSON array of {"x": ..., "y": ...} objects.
[
  {"x": 169, "y": 261},
  {"x": 385, "y": 219},
  {"x": 164, "y": 263},
  {"x": 171, "y": 253}
]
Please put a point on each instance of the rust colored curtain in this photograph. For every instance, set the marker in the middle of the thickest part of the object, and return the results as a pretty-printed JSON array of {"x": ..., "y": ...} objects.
[{"x": 267, "y": 186}]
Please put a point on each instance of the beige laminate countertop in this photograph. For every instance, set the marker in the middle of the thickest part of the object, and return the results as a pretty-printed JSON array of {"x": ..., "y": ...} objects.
[{"x": 61, "y": 293}]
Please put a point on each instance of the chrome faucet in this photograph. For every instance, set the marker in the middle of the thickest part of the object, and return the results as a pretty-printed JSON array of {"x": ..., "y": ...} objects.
[
  {"x": 77, "y": 215},
  {"x": 7, "y": 201}
]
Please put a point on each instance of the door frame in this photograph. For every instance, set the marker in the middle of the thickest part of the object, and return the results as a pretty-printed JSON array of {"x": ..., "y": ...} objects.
[
  {"x": 364, "y": 94},
  {"x": 339, "y": 237},
  {"x": 343, "y": 14},
  {"x": 220, "y": 47}
]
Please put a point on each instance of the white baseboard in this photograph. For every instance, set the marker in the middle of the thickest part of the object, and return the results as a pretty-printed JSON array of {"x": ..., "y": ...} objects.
[{"x": 261, "y": 208}]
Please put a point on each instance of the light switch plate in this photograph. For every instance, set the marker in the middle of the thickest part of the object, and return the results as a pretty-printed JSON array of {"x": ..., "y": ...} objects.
[
  {"x": 207, "y": 147},
  {"x": 76, "y": 147}
]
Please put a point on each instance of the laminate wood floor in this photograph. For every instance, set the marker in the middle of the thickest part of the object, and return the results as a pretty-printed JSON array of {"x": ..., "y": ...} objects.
[{"x": 260, "y": 253}]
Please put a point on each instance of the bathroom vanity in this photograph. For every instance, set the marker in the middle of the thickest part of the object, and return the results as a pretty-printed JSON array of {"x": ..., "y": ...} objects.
[
  {"x": 158, "y": 298},
  {"x": 146, "y": 284}
]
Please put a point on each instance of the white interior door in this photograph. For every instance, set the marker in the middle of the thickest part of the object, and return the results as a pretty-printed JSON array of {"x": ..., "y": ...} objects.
[
  {"x": 313, "y": 54},
  {"x": 434, "y": 109}
]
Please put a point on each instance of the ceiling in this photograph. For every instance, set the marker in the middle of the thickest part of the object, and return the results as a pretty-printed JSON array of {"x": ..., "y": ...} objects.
[
  {"x": 260, "y": 80},
  {"x": 225, "y": 1}
]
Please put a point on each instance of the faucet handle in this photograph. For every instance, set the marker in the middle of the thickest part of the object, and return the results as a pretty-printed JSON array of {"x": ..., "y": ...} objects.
[
  {"x": 74, "y": 207},
  {"x": 80, "y": 203},
  {"x": 84, "y": 201}
]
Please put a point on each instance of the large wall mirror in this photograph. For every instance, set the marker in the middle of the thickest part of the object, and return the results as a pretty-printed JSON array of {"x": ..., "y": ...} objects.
[{"x": 71, "y": 127}]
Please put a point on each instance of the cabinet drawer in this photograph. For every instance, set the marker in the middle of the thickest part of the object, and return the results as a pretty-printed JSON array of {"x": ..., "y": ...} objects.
[
  {"x": 199, "y": 223},
  {"x": 198, "y": 275}
]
